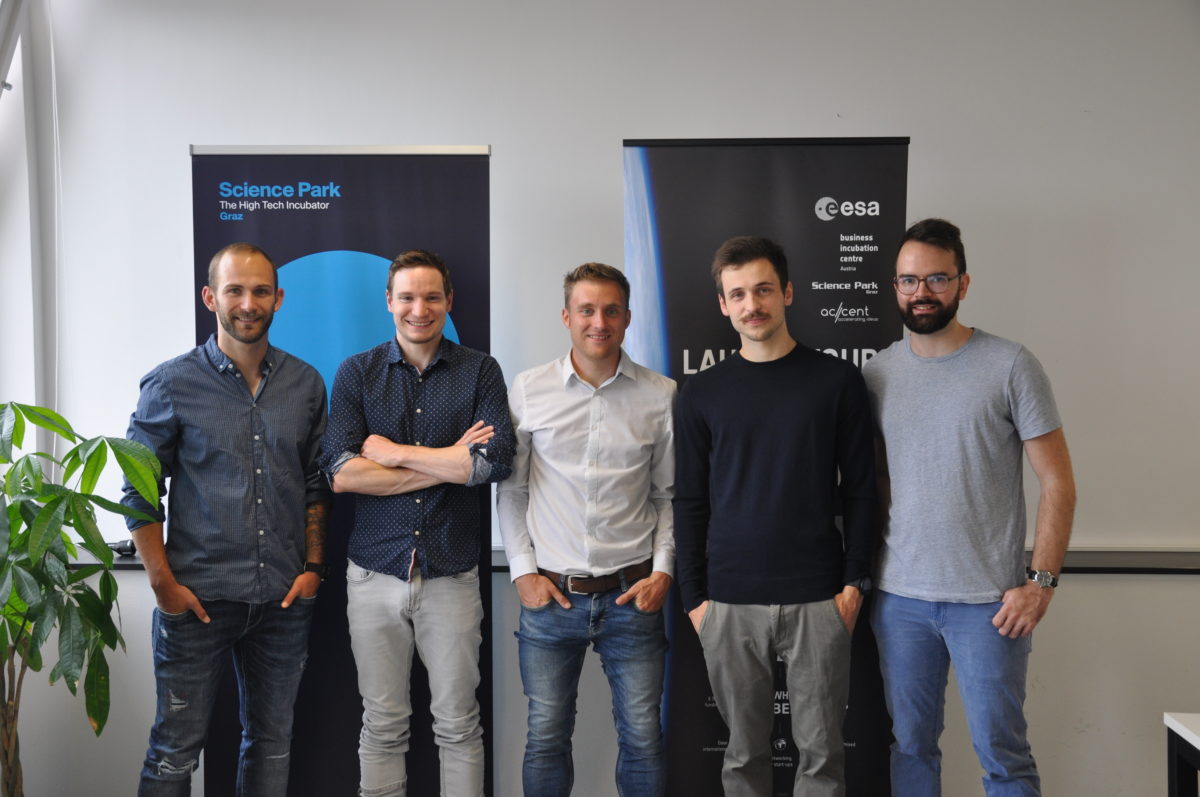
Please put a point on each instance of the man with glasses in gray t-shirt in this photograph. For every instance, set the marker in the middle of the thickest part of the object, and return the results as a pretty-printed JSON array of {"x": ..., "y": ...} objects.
[{"x": 956, "y": 408}]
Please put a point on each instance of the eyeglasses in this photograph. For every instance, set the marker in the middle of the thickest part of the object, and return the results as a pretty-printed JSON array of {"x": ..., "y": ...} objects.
[{"x": 937, "y": 283}]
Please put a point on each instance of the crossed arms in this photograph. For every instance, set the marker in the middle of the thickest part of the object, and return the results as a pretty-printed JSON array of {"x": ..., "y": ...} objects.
[{"x": 386, "y": 468}]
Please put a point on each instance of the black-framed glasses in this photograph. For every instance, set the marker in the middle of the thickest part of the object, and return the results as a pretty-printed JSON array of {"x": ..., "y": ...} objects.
[{"x": 936, "y": 283}]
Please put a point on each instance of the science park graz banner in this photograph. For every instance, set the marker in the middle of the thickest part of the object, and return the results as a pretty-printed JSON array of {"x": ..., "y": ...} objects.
[
  {"x": 332, "y": 219},
  {"x": 837, "y": 206}
]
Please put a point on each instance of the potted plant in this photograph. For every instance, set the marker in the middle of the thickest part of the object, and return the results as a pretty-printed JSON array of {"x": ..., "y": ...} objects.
[{"x": 47, "y": 512}]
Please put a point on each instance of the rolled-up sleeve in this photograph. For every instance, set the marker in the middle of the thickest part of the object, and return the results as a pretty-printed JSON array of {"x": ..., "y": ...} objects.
[
  {"x": 492, "y": 461},
  {"x": 347, "y": 427},
  {"x": 154, "y": 425}
]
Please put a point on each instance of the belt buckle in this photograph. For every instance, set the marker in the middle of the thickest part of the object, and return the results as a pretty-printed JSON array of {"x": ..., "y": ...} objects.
[{"x": 570, "y": 588}]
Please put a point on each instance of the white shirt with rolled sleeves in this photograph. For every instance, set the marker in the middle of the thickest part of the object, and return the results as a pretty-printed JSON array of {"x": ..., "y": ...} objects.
[{"x": 593, "y": 476}]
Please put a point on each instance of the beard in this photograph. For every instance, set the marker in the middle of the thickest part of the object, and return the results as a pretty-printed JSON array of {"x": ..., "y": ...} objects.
[
  {"x": 229, "y": 324},
  {"x": 928, "y": 324}
]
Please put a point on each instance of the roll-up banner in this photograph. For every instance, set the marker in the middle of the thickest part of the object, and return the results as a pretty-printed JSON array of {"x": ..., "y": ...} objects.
[
  {"x": 837, "y": 206},
  {"x": 332, "y": 219}
]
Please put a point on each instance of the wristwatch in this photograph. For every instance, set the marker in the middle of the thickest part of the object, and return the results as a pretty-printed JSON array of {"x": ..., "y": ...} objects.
[
  {"x": 315, "y": 567},
  {"x": 1043, "y": 578}
]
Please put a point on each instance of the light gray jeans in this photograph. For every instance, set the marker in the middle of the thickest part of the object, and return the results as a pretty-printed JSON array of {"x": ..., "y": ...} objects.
[
  {"x": 740, "y": 644},
  {"x": 440, "y": 619}
]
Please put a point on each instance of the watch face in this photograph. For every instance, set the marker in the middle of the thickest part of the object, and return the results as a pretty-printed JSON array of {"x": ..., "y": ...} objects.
[{"x": 1044, "y": 579}]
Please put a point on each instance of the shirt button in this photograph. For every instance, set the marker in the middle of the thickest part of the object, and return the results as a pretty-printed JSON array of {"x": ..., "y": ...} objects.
[
  {"x": 260, "y": 500},
  {"x": 418, "y": 410},
  {"x": 255, "y": 437},
  {"x": 418, "y": 442},
  {"x": 261, "y": 532},
  {"x": 262, "y": 564},
  {"x": 258, "y": 470},
  {"x": 418, "y": 500},
  {"x": 416, "y": 534}
]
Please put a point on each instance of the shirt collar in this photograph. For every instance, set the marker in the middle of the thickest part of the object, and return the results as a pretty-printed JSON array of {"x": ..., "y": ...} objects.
[
  {"x": 624, "y": 368},
  {"x": 220, "y": 360},
  {"x": 396, "y": 354}
]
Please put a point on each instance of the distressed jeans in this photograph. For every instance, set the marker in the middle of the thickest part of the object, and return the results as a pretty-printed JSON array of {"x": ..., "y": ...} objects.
[
  {"x": 632, "y": 645},
  {"x": 440, "y": 619},
  {"x": 270, "y": 647},
  {"x": 918, "y": 641}
]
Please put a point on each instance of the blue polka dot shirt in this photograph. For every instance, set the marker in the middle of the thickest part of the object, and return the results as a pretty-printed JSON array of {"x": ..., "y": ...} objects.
[{"x": 378, "y": 392}]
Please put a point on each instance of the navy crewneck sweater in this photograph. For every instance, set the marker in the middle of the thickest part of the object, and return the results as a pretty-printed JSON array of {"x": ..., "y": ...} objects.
[{"x": 759, "y": 447}]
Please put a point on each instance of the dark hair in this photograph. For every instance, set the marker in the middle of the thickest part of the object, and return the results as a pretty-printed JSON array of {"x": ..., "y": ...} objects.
[
  {"x": 598, "y": 272},
  {"x": 745, "y": 248},
  {"x": 241, "y": 248},
  {"x": 413, "y": 258},
  {"x": 939, "y": 233}
]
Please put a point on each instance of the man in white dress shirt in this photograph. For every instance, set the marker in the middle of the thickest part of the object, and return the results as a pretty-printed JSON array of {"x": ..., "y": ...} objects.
[{"x": 586, "y": 521}]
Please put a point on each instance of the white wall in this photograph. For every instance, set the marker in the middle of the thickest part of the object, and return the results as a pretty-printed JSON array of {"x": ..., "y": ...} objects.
[{"x": 1061, "y": 136}]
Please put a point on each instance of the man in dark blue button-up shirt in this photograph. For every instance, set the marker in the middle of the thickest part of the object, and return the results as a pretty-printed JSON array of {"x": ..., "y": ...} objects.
[
  {"x": 416, "y": 425},
  {"x": 237, "y": 425}
]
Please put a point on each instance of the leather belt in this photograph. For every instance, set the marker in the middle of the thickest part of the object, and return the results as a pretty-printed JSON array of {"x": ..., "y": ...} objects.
[{"x": 591, "y": 585}]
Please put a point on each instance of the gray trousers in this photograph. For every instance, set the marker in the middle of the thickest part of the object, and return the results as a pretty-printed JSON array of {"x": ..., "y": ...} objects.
[{"x": 741, "y": 642}]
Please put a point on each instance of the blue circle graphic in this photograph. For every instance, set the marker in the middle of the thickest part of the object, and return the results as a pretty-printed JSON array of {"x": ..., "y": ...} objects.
[{"x": 335, "y": 305}]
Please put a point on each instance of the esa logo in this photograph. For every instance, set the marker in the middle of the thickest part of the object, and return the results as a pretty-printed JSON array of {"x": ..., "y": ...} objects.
[{"x": 828, "y": 208}]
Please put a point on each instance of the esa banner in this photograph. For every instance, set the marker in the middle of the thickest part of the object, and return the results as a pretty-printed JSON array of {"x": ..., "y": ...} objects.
[
  {"x": 332, "y": 219},
  {"x": 837, "y": 206}
]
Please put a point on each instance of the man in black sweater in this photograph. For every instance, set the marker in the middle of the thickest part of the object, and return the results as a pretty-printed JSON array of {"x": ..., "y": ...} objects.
[{"x": 761, "y": 439}]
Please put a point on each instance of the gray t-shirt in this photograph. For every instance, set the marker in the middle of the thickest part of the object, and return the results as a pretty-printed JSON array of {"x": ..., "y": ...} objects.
[{"x": 954, "y": 428}]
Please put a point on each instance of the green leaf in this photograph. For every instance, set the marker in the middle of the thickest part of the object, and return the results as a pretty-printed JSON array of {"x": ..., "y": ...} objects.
[
  {"x": 6, "y": 584},
  {"x": 70, "y": 463},
  {"x": 72, "y": 644},
  {"x": 26, "y": 586},
  {"x": 95, "y": 690},
  {"x": 139, "y": 465},
  {"x": 96, "y": 614},
  {"x": 47, "y": 526},
  {"x": 29, "y": 510},
  {"x": 84, "y": 521},
  {"x": 49, "y": 419},
  {"x": 56, "y": 571},
  {"x": 81, "y": 573},
  {"x": 25, "y": 476},
  {"x": 12, "y": 432},
  {"x": 119, "y": 509},
  {"x": 33, "y": 658},
  {"x": 43, "y": 618},
  {"x": 96, "y": 458},
  {"x": 6, "y": 524},
  {"x": 108, "y": 588}
]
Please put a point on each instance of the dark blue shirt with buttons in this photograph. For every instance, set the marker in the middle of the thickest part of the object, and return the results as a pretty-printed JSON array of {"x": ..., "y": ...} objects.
[
  {"x": 379, "y": 392},
  {"x": 242, "y": 469}
]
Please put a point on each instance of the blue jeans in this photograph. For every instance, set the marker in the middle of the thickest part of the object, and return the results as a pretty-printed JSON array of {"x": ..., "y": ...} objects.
[
  {"x": 918, "y": 641},
  {"x": 270, "y": 648},
  {"x": 552, "y": 642},
  {"x": 440, "y": 619}
]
